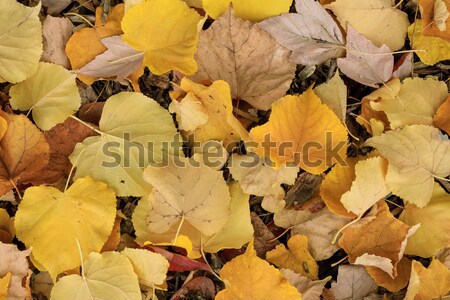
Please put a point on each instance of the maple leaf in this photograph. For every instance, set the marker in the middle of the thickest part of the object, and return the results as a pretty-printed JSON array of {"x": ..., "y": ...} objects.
[
  {"x": 333, "y": 93},
  {"x": 250, "y": 277},
  {"x": 441, "y": 119},
  {"x": 24, "y": 151},
  {"x": 21, "y": 41},
  {"x": 15, "y": 263},
  {"x": 51, "y": 94},
  {"x": 375, "y": 19},
  {"x": 104, "y": 276},
  {"x": 353, "y": 283},
  {"x": 255, "y": 66},
  {"x": 411, "y": 172},
  {"x": 148, "y": 26},
  {"x": 314, "y": 123},
  {"x": 297, "y": 258},
  {"x": 54, "y": 223},
  {"x": 311, "y": 33},
  {"x": 363, "y": 67}
]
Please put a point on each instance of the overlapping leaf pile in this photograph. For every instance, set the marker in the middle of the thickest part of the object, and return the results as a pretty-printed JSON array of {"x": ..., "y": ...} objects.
[{"x": 294, "y": 156}]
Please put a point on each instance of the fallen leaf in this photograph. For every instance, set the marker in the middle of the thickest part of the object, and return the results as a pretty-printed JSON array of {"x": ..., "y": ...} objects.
[
  {"x": 55, "y": 6},
  {"x": 392, "y": 284},
  {"x": 411, "y": 172},
  {"x": 249, "y": 277},
  {"x": 311, "y": 33},
  {"x": 190, "y": 111},
  {"x": 56, "y": 33},
  {"x": 42, "y": 284},
  {"x": 353, "y": 283},
  {"x": 120, "y": 60},
  {"x": 365, "y": 62},
  {"x": 377, "y": 20},
  {"x": 297, "y": 258},
  {"x": 105, "y": 276},
  {"x": 333, "y": 93},
  {"x": 264, "y": 239},
  {"x": 441, "y": 119},
  {"x": 51, "y": 94},
  {"x": 429, "y": 238},
  {"x": 148, "y": 27},
  {"x": 179, "y": 263},
  {"x": 210, "y": 153},
  {"x": 310, "y": 289},
  {"x": 428, "y": 283},
  {"x": 15, "y": 262},
  {"x": 259, "y": 72},
  {"x": 375, "y": 122},
  {"x": 113, "y": 240},
  {"x": 444, "y": 256},
  {"x": 6, "y": 227},
  {"x": 4, "y": 283},
  {"x": 318, "y": 141},
  {"x": 21, "y": 41},
  {"x": 83, "y": 215},
  {"x": 435, "y": 18},
  {"x": 201, "y": 284}
]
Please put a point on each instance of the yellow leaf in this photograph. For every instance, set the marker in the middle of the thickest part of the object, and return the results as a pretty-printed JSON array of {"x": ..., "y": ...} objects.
[
  {"x": 105, "y": 276},
  {"x": 20, "y": 40},
  {"x": 428, "y": 283},
  {"x": 249, "y": 277},
  {"x": 430, "y": 237},
  {"x": 392, "y": 284},
  {"x": 51, "y": 93},
  {"x": 303, "y": 131},
  {"x": 55, "y": 223},
  {"x": 297, "y": 258},
  {"x": 252, "y": 10},
  {"x": 436, "y": 48},
  {"x": 375, "y": 19},
  {"x": 148, "y": 27},
  {"x": 416, "y": 154},
  {"x": 4, "y": 283},
  {"x": 442, "y": 117},
  {"x": 333, "y": 93}
]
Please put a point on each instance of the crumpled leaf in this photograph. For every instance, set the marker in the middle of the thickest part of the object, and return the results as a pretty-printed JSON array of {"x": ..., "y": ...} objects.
[
  {"x": 20, "y": 42},
  {"x": 392, "y": 284},
  {"x": 428, "y": 283},
  {"x": 310, "y": 289},
  {"x": 297, "y": 258},
  {"x": 128, "y": 143},
  {"x": 24, "y": 151},
  {"x": 333, "y": 93},
  {"x": 416, "y": 154},
  {"x": 378, "y": 237},
  {"x": 15, "y": 262},
  {"x": 249, "y": 277},
  {"x": 377, "y": 20},
  {"x": 318, "y": 141},
  {"x": 51, "y": 93},
  {"x": 108, "y": 275},
  {"x": 148, "y": 27},
  {"x": 441, "y": 119},
  {"x": 55, "y": 223},
  {"x": 436, "y": 48},
  {"x": 353, "y": 283},
  {"x": 311, "y": 33},
  {"x": 252, "y": 10},
  {"x": 120, "y": 60},
  {"x": 363, "y": 62},
  {"x": 414, "y": 101},
  {"x": 258, "y": 71},
  {"x": 56, "y": 33},
  {"x": 435, "y": 18},
  {"x": 429, "y": 238}
]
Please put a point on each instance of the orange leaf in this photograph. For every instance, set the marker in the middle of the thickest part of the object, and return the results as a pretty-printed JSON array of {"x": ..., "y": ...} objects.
[
  {"x": 428, "y": 283},
  {"x": 392, "y": 284},
  {"x": 442, "y": 117},
  {"x": 429, "y": 26}
]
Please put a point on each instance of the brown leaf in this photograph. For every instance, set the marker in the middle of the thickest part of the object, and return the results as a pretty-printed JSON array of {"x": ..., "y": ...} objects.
[
  {"x": 202, "y": 286},
  {"x": 91, "y": 112},
  {"x": 392, "y": 284},
  {"x": 263, "y": 236},
  {"x": 56, "y": 32},
  {"x": 114, "y": 238},
  {"x": 179, "y": 263},
  {"x": 428, "y": 23},
  {"x": 303, "y": 189}
]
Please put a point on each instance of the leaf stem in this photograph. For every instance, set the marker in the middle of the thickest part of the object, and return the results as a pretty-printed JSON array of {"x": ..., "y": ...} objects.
[
  {"x": 381, "y": 54},
  {"x": 16, "y": 188},
  {"x": 81, "y": 17},
  {"x": 87, "y": 124},
  {"x": 347, "y": 225}
]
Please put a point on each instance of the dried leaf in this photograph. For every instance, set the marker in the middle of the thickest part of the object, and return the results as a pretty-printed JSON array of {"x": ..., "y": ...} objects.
[
  {"x": 392, "y": 284},
  {"x": 441, "y": 118},
  {"x": 56, "y": 33},
  {"x": 15, "y": 263},
  {"x": 353, "y": 283},
  {"x": 333, "y": 93},
  {"x": 435, "y": 18},
  {"x": 310, "y": 289}
]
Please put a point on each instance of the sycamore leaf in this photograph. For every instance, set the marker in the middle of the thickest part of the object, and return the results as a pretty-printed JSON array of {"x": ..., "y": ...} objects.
[
  {"x": 252, "y": 10},
  {"x": 255, "y": 66},
  {"x": 297, "y": 258},
  {"x": 379, "y": 239},
  {"x": 441, "y": 119},
  {"x": 148, "y": 27},
  {"x": 429, "y": 238},
  {"x": 333, "y": 93},
  {"x": 428, "y": 283},
  {"x": 55, "y": 223},
  {"x": 56, "y": 33},
  {"x": 128, "y": 143},
  {"x": 15, "y": 262},
  {"x": 107, "y": 276},
  {"x": 435, "y": 18},
  {"x": 249, "y": 277},
  {"x": 316, "y": 137},
  {"x": 51, "y": 93},
  {"x": 24, "y": 151},
  {"x": 197, "y": 195},
  {"x": 120, "y": 60},
  {"x": 415, "y": 101},
  {"x": 436, "y": 48},
  {"x": 310, "y": 289},
  {"x": 353, "y": 283},
  {"x": 392, "y": 284},
  {"x": 416, "y": 154},
  {"x": 151, "y": 268},
  {"x": 375, "y": 19},
  {"x": 311, "y": 33},
  {"x": 20, "y": 40},
  {"x": 363, "y": 62},
  {"x": 368, "y": 187}
]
